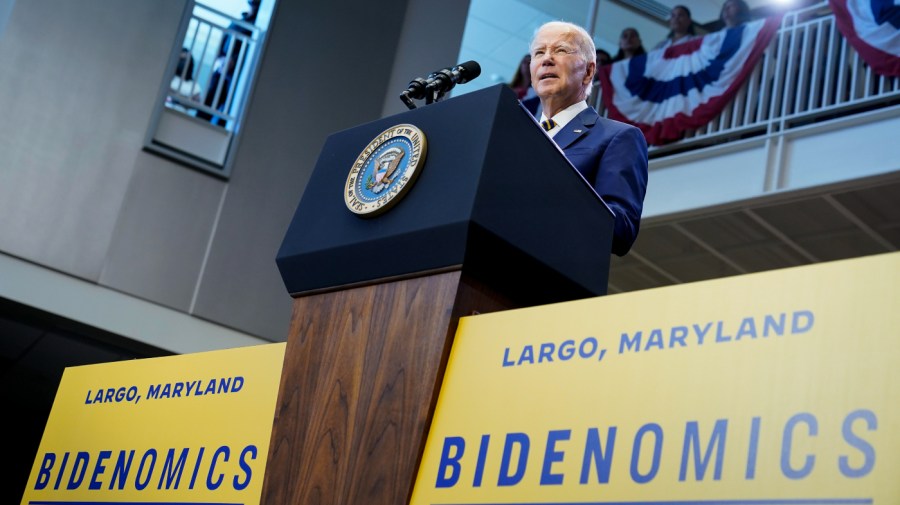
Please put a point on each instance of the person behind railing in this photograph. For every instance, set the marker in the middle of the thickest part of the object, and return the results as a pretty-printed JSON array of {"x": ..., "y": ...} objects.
[
  {"x": 227, "y": 66},
  {"x": 603, "y": 57},
  {"x": 734, "y": 13},
  {"x": 521, "y": 81},
  {"x": 630, "y": 45},
  {"x": 610, "y": 155},
  {"x": 681, "y": 28},
  {"x": 183, "y": 82},
  {"x": 521, "y": 84}
]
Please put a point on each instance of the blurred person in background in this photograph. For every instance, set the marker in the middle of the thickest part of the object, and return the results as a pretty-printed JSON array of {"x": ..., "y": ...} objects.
[{"x": 630, "y": 45}]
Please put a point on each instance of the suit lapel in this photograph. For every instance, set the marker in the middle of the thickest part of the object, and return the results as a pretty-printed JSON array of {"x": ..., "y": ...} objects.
[{"x": 576, "y": 128}]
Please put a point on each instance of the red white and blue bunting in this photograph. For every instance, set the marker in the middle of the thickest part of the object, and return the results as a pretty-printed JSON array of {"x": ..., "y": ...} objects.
[
  {"x": 873, "y": 28},
  {"x": 668, "y": 91}
]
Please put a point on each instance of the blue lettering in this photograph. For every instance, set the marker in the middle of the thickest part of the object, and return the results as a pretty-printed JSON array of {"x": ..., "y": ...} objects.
[
  {"x": 787, "y": 441},
  {"x": 506, "y": 360},
  {"x": 692, "y": 441},
  {"x": 720, "y": 337},
  {"x": 802, "y": 321},
  {"x": 527, "y": 355},
  {"x": 213, "y": 484},
  {"x": 78, "y": 470},
  {"x": 593, "y": 451},
  {"x": 655, "y": 340},
  {"x": 451, "y": 462},
  {"x": 176, "y": 391},
  {"x": 512, "y": 440},
  {"x": 121, "y": 470},
  {"x": 153, "y": 392},
  {"x": 151, "y": 455},
  {"x": 770, "y": 325},
  {"x": 864, "y": 447},
  {"x": 99, "y": 467},
  {"x": 701, "y": 332},
  {"x": 551, "y": 455},
  {"x": 62, "y": 469},
  {"x": 567, "y": 350},
  {"x": 677, "y": 336},
  {"x": 631, "y": 344},
  {"x": 482, "y": 457},
  {"x": 747, "y": 329},
  {"x": 546, "y": 352},
  {"x": 590, "y": 349},
  {"x": 196, "y": 467},
  {"x": 43, "y": 476},
  {"x": 248, "y": 471},
  {"x": 210, "y": 388},
  {"x": 750, "y": 473},
  {"x": 172, "y": 470},
  {"x": 636, "y": 475},
  {"x": 111, "y": 395}
]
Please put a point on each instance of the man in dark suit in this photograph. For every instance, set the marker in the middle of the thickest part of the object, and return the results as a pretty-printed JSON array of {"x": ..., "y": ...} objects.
[{"x": 611, "y": 155}]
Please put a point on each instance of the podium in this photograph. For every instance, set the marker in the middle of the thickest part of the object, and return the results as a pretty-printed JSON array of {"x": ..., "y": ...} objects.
[{"x": 497, "y": 219}]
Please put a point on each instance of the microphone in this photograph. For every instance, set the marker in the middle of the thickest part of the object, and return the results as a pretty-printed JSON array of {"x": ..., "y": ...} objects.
[{"x": 442, "y": 81}]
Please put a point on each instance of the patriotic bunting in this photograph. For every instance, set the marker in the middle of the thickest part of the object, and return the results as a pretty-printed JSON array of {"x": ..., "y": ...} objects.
[
  {"x": 873, "y": 28},
  {"x": 668, "y": 91}
]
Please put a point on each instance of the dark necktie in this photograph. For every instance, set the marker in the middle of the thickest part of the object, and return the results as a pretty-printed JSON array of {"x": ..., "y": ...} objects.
[{"x": 548, "y": 124}]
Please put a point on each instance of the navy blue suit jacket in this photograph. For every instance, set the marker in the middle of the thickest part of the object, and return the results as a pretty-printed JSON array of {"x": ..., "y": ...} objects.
[{"x": 612, "y": 156}]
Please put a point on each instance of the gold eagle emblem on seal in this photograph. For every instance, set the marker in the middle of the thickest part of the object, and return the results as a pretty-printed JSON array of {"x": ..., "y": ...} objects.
[{"x": 385, "y": 170}]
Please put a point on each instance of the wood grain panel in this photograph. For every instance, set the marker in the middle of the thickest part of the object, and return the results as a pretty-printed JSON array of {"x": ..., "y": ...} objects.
[{"x": 361, "y": 374}]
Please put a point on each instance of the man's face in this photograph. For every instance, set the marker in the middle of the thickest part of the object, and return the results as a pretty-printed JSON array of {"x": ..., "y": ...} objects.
[{"x": 558, "y": 72}]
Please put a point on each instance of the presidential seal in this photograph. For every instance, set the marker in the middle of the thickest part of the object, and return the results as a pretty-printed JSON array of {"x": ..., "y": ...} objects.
[{"x": 385, "y": 170}]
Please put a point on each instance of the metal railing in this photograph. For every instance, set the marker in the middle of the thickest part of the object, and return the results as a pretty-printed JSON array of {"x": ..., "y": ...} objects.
[
  {"x": 224, "y": 51},
  {"x": 809, "y": 73}
]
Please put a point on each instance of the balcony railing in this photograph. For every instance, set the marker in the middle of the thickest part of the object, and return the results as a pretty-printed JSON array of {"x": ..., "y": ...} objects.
[
  {"x": 809, "y": 73},
  {"x": 201, "y": 108},
  {"x": 221, "y": 75}
]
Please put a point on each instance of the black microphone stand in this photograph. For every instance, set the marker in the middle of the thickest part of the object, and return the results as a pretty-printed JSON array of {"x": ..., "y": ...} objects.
[
  {"x": 431, "y": 90},
  {"x": 407, "y": 100}
]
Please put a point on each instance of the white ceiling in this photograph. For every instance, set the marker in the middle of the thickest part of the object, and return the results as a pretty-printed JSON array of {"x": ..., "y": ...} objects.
[{"x": 826, "y": 224}]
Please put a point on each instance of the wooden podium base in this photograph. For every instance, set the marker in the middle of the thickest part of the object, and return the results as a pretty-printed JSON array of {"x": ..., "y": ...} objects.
[{"x": 362, "y": 371}]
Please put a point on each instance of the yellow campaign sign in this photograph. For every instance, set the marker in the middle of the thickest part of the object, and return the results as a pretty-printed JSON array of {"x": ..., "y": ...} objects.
[
  {"x": 193, "y": 428},
  {"x": 776, "y": 388}
]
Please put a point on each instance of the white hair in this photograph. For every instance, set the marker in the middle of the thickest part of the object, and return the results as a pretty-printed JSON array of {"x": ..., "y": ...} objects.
[{"x": 583, "y": 41}]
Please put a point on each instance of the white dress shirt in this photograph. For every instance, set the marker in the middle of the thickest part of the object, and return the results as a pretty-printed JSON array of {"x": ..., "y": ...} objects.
[{"x": 564, "y": 116}]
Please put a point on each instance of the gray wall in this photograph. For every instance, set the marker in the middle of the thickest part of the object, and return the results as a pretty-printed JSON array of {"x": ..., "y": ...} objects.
[
  {"x": 5, "y": 8},
  {"x": 431, "y": 39},
  {"x": 79, "y": 196},
  {"x": 77, "y": 87}
]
